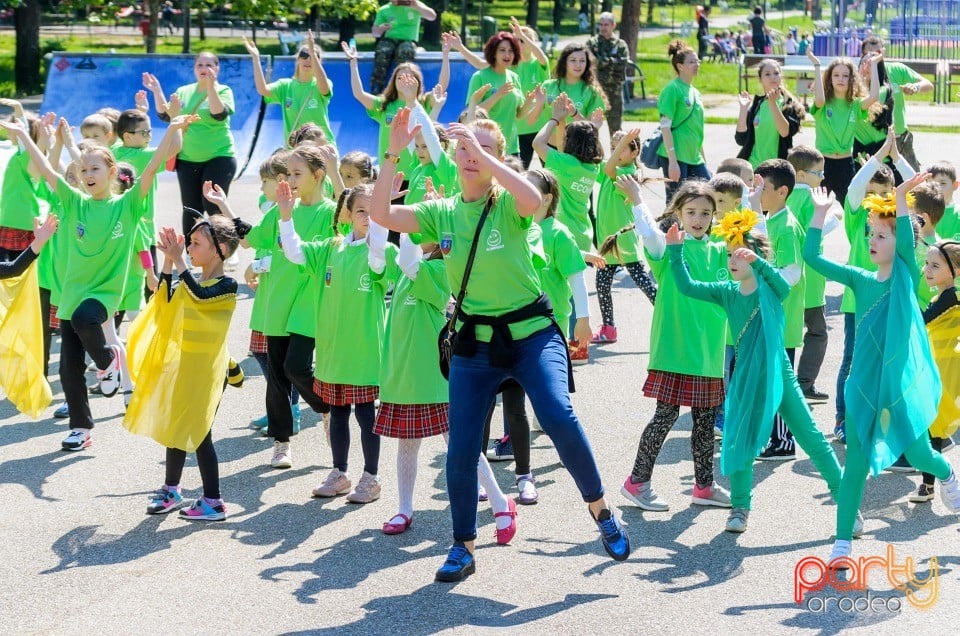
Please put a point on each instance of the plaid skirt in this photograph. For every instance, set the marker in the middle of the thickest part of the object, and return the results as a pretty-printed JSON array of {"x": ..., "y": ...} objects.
[
  {"x": 54, "y": 321},
  {"x": 343, "y": 394},
  {"x": 684, "y": 390},
  {"x": 15, "y": 240},
  {"x": 258, "y": 342},
  {"x": 412, "y": 421}
]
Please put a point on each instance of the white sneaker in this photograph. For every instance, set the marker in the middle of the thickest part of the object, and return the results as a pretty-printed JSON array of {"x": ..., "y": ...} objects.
[
  {"x": 282, "y": 457},
  {"x": 712, "y": 495},
  {"x": 858, "y": 526},
  {"x": 109, "y": 378},
  {"x": 950, "y": 492},
  {"x": 840, "y": 549},
  {"x": 620, "y": 274},
  {"x": 642, "y": 495},
  {"x": 78, "y": 439},
  {"x": 737, "y": 521},
  {"x": 367, "y": 489}
]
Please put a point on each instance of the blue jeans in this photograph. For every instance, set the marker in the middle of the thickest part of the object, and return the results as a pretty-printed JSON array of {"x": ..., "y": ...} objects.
[
  {"x": 849, "y": 338},
  {"x": 540, "y": 366},
  {"x": 687, "y": 171}
]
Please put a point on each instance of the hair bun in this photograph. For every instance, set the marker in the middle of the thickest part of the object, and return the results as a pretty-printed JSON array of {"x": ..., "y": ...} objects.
[{"x": 675, "y": 47}]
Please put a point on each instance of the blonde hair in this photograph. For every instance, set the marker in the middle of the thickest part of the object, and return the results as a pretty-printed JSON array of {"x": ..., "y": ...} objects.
[{"x": 492, "y": 128}]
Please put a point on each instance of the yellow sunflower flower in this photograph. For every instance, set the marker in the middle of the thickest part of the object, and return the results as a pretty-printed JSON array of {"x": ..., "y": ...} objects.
[{"x": 735, "y": 225}]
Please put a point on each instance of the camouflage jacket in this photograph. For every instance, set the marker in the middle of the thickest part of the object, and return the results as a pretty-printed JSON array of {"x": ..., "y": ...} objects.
[{"x": 611, "y": 58}]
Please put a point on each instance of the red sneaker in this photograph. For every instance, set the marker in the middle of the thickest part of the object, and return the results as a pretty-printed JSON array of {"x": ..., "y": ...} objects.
[{"x": 606, "y": 335}]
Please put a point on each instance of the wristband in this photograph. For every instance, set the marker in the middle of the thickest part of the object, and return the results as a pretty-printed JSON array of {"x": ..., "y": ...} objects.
[
  {"x": 555, "y": 120},
  {"x": 146, "y": 259},
  {"x": 389, "y": 156}
]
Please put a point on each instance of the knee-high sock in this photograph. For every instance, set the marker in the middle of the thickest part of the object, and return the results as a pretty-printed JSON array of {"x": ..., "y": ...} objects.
[{"x": 408, "y": 451}]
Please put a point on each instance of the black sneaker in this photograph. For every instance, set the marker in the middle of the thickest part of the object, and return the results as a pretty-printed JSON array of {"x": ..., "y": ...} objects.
[
  {"x": 901, "y": 466},
  {"x": 948, "y": 445},
  {"x": 771, "y": 454},
  {"x": 811, "y": 394},
  {"x": 459, "y": 565}
]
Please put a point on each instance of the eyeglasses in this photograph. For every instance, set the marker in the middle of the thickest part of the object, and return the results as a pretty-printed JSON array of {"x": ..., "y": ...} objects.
[
  {"x": 142, "y": 133},
  {"x": 304, "y": 55},
  {"x": 816, "y": 173}
]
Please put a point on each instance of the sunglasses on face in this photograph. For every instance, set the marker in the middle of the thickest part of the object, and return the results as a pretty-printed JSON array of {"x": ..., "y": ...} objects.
[
  {"x": 142, "y": 133},
  {"x": 304, "y": 55}
]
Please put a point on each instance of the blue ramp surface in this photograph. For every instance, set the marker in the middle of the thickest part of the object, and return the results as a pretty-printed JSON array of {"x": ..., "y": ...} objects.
[
  {"x": 351, "y": 126},
  {"x": 81, "y": 84}
]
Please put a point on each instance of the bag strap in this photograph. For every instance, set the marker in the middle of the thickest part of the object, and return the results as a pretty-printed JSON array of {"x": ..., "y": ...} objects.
[
  {"x": 452, "y": 323},
  {"x": 672, "y": 128},
  {"x": 194, "y": 110}
]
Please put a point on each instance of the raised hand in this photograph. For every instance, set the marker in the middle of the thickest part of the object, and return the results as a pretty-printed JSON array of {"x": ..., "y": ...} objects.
[
  {"x": 43, "y": 231},
  {"x": 140, "y": 101},
  {"x": 400, "y": 133},
  {"x": 756, "y": 193},
  {"x": 451, "y": 39},
  {"x": 505, "y": 88},
  {"x": 675, "y": 235},
  {"x": 182, "y": 122},
  {"x": 14, "y": 128},
  {"x": 214, "y": 193},
  {"x": 911, "y": 183},
  {"x": 745, "y": 254},
  {"x": 467, "y": 140},
  {"x": 433, "y": 193},
  {"x": 438, "y": 96},
  {"x": 744, "y": 99},
  {"x": 813, "y": 58},
  {"x": 14, "y": 104},
  {"x": 630, "y": 186},
  {"x": 396, "y": 188},
  {"x": 596, "y": 117},
  {"x": 478, "y": 94},
  {"x": 285, "y": 200},
  {"x": 174, "y": 105},
  {"x": 823, "y": 199},
  {"x": 349, "y": 52},
  {"x": 150, "y": 82},
  {"x": 170, "y": 243},
  {"x": 407, "y": 87},
  {"x": 251, "y": 47}
]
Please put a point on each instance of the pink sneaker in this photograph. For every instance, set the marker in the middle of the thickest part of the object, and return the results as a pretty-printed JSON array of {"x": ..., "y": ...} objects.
[
  {"x": 606, "y": 335},
  {"x": 712, "y": 495}
]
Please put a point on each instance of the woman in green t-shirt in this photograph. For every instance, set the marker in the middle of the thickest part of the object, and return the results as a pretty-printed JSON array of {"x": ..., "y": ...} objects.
[
  {"x": 871, "y": 131},
  {"x": 838, "y": 105},
  {"x": 208, "y": 153},
  {"x": 503, "y": 98},
  {"x": 304, "y": 97},
  {"x": 575, "y": 75},
  {"x": 527, "y": 347},
  {"x": 769, "y": 121}
]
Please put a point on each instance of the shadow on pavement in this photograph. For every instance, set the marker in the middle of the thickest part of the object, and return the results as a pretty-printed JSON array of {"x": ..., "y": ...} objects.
[{"x": 33, "y": 472}]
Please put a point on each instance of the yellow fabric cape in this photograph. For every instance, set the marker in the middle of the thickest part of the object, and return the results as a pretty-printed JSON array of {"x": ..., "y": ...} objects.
[
  {"x": 177, "y": 353},
  {"x": 21, "y": 344},
  {"x": 944, "y": 333}
]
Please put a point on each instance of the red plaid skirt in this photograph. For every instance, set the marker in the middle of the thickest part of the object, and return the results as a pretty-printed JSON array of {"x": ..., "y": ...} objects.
[
  {"x": 684, "y": 390},
  {"x": 412, "y": 421},
  {"x": 258, "y": 342},
  {"x": 343, "y": 394},
  {"x": 14, "y": 239},
  {"x": 54, "y": 321}
]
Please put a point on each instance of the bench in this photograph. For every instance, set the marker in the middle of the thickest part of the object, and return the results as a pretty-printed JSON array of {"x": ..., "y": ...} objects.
[
  {"x": 287, "y": 38},
  {"x": 633, "y": 76},
  {"x": 748, "y": 64}
]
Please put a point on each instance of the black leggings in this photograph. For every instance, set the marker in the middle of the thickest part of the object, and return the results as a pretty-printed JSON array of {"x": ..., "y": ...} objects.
[
  {"x": 191, "y": 175},
  {"x": 83, "y": 333},
  {"x": 340, "y": 436},
  {"x": 701, "y": 442},
  {"x": 837, "y": 174},
  {"x": 518, "y": 426},
  {"x": 291, "y": 365},
  {"x": 263, "y": 361},
  {"x": 47, "y": 329},
  {"x": 641, "y": 277},
  {"x": 206, "y": 462}
]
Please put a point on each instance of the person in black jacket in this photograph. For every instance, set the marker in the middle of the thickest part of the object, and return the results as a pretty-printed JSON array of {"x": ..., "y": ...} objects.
[{"x": 768, "y": 122}]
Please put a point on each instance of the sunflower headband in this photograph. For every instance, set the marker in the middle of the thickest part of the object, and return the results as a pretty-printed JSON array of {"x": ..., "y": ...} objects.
[
  {"x": 885, "y": 206},
  {"x": 735, "y": 225}
]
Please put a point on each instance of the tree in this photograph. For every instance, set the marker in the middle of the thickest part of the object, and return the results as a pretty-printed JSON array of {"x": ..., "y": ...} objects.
[
  {"x": 630, "y": 25},
  {"x": 533, "y": 13},
  {"x": 349, "y": 12},
  {"x": 152, "y": 10},
  {"x": 650, "y": 5},
  {"x": 26, "y": 19}
]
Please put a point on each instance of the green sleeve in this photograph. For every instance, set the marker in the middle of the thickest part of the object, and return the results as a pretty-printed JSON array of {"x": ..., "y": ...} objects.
[
  {"x": 905, "y": 245},
  {"x": 566, "y": 257},
  {"x": 377, "y": 113},
  {"x": 316, "y": 254},
  {"x": 667, "y": 103},
  {"x": 901, "y": 74},
  {"x": 226, "y": 96},
  {"x": 263, "y": 234},
  {"x": 710, "y": 292},
  {"x": 843, "y": 274},
  {"x": 69, "y": 198},
  {"x": 383, "y": 15},
  {"x": 428, "y": 217},
  {"x": 772, "y": 277},
  {"x": 431, "y": 284},
  {"x": 276, "y": 90}
]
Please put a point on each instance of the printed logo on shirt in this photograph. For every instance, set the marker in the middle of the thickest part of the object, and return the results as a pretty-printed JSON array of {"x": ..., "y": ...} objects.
[
  {"x": 583, "y": 185},
  {"x": 81, "y": 231},
  {"x": 494, "y": 241},
  {"x": 756, "y": 121},
  {"x": 410, "y": 300},
  {"x": 446, "y": 244},
  {"x": 328, "y": 277},
  {"x": 365, "y": 284},
  {"x": 312, "y": 104},
  {"x": 829, "y": 113},
  {"x": 723, "y": 274},
  {"x": 288, "y": 103},
  {"x": 117, "y": 231}
]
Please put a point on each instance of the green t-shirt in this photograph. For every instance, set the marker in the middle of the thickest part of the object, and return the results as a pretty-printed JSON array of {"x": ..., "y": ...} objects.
[
  {"x": 291, "y": 293},
  {"x": 800, "y": 203},
  {"x": 444, "y": 173},
  {"x": 925, "y": 293},
  {"x": 687, "y": 336},
  {"x": 52, "y": 257},
  {"x": 899, "y": 74},
  {"x": 258, "y": 313},
  {"x": 614, "y": 213},
  {"x": 563, "y": 260},
  {"x": 504, "y": 112},
  {"x": 504, "y": 277},
  {"x": 18, "y": 194},
  {"x": 949, "y": 226},
  {"x": 682, "y": 105},
  {"x": 351, "y": 310},
  {"x": 140, "y": 158},
  {"x": 866, "y": 133},
  {"x": 531, "y": 74},
  {"x": 406, "y": 22},
  {"x": 409, "y": 369},
  {"x": 766, "y": 143},
  {"x": 858, "y": 236},
  {"x": 384, "y": 116},
  {"x": 302, "y": 103},
  {"x": 836, "y": 123},
  {"x": 207, "y": 138},
  {"x": 576, "y": 187},
  {"x": 786, "y": 238},
  {"x": 98, "y": 241},
  {"x": 585, "y": 98}
]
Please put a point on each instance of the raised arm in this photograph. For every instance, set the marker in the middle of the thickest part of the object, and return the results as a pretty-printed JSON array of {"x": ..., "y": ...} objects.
[
  {"x": 610, "y": 167},
  {"x": 455, "y": 43},
  {"x": 905, "y": 243},
  {"x": 535, "y": 49},
  {"x": 745, "y": 100},
  {"x": 169, "y": 146},
  {"x": 289, "y": 239},
  {"x": 770, "y": 275},
  {"x": 356, "y": 84},
  {"x": 819, "y": 97},
  {"x": 812, "y": 246},
  {"x": 779, "y": 119},
  {"x": 426, "y": 12},
  {"x": 444, "y": 79},
  {"x": 561, "y": 109},
  {"x": 710, "y": 292},
  {"x": 319, "y": 73},
  {"x": 152, "y": 84},
  {"x": 400, "y": 218},
  {"x": 874, "y": 96},
  {"x": 653, "y": 239},
  {"x": 258, "y": 79},
  {"x": 16, "y": 131}
]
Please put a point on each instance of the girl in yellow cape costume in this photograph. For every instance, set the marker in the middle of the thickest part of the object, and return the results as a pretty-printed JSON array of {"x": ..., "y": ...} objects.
[
  {"x": 21, "y": 328},
  {"x": 178, "y": 356}
]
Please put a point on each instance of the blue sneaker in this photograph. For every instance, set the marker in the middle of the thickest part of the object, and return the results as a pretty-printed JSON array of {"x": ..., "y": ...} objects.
[
  {"x": 459, "y": 565},
  {"x": 615, "y": 540},
  {"x": 840, "y": 432},
  {"x": 164, "y": 501},
  {"x": 501, "y": 450},
  {"x": 260, "y": 422},
  {"x": 200, "y": 510},
  {"x": 295, "y": 411}
]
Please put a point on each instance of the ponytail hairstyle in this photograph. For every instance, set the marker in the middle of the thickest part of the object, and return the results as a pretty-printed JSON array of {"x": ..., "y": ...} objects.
[
  {"x": 881, "y": 113},
  {"x": 348, "y": 198},
  {"x": 546, "y": 182},
  {"x": 610, "y": 245},
  {"x": 307, "y": 134},
  {"x": 126, "y": 177}
]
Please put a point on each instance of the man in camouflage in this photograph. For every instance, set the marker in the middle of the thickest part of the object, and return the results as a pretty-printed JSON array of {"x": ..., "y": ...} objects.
[{"x": 611, "y": 55}]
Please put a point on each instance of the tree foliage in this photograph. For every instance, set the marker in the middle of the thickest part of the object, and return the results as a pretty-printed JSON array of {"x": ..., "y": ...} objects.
[{"x": 361, "y": 10}]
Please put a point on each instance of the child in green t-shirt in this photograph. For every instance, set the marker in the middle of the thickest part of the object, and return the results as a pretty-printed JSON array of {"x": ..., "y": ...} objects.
[
  {"x": 357, "y": 167},
  {"x": 434, "y": 162},
  {"x": 927, "y": 207},
  {"x": 786, "y": 238},
  {"x": 619, "y": 243},
  {"x": 19, "y": 204},
  {"x": 944, "y": 174}
]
